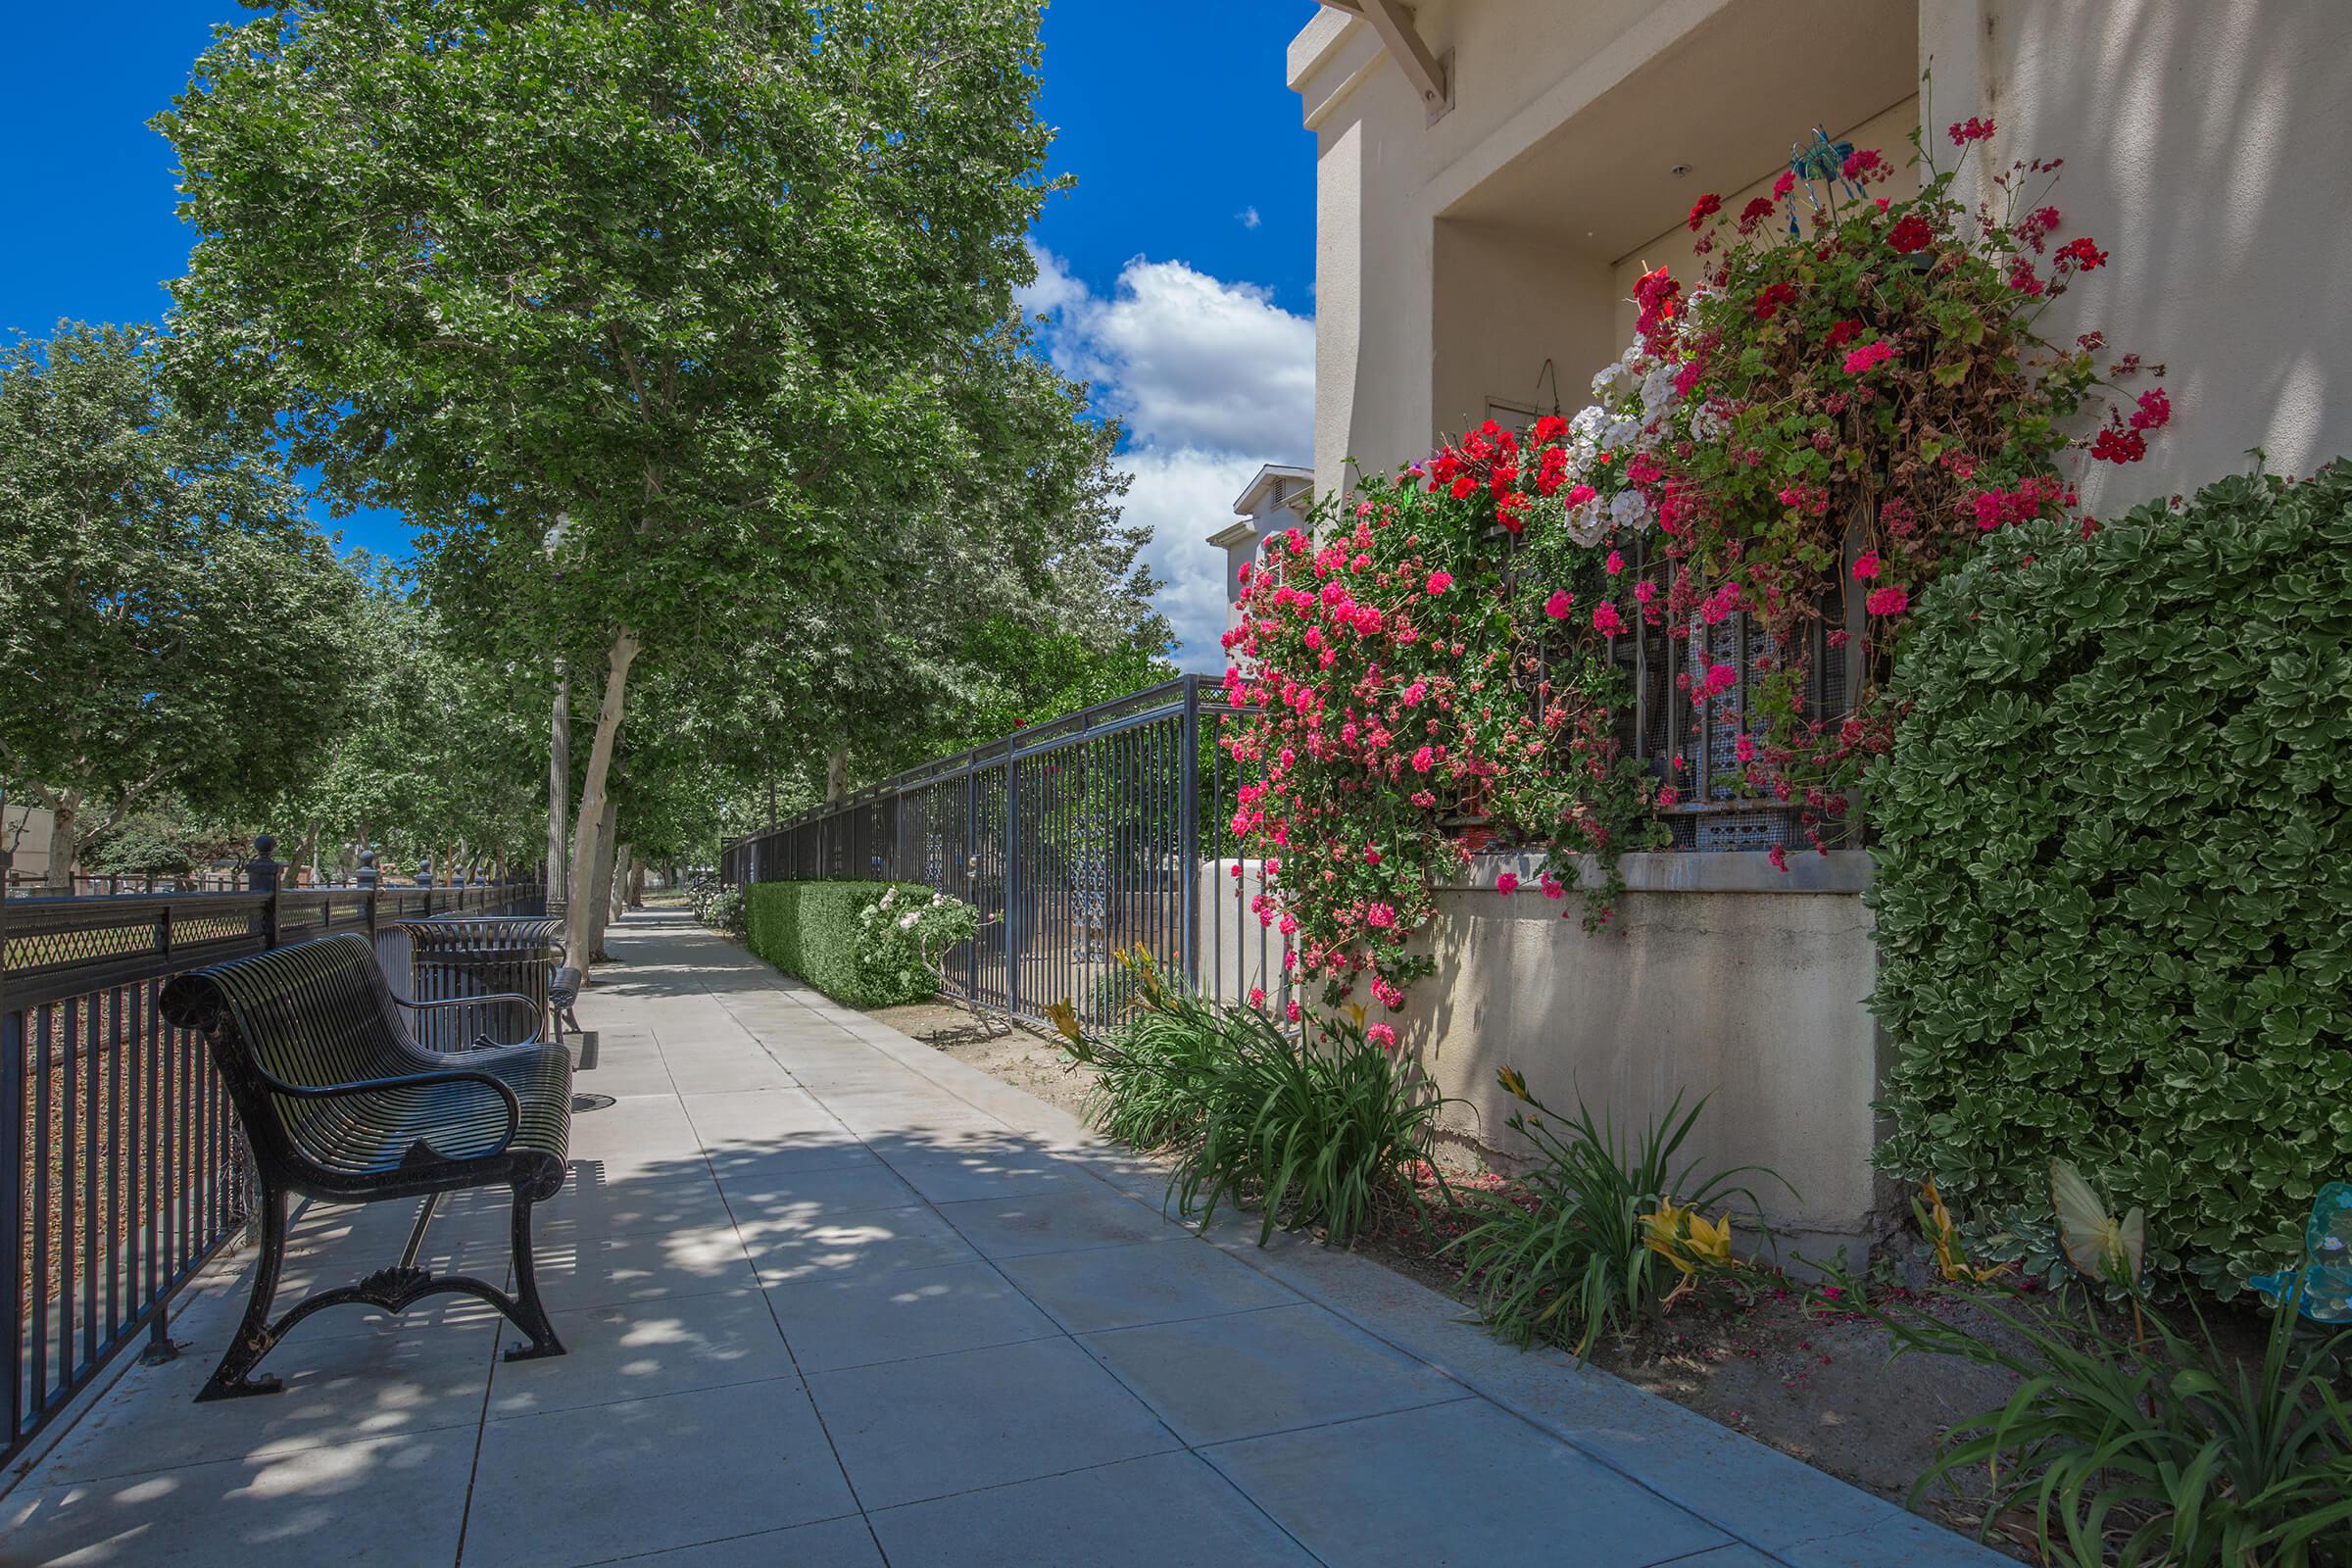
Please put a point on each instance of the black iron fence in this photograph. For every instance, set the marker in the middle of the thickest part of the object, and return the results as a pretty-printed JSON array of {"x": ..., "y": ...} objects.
[
  {"x": 1109, "y": 829},
  {"x": 1100, "y": 832},
  {"x": 125, "y": 1174}
]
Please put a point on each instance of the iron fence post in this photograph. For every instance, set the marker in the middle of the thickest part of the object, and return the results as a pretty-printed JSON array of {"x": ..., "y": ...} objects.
[
  {"x": 1013, "y": 882},
  {"x": 362, "y": 876},
  {"x": 12, "y": 1193},
  {"x": 971, "y": 879},
  {"x": 1188, "y": 831},
  {"x": 261, "y": 876}
]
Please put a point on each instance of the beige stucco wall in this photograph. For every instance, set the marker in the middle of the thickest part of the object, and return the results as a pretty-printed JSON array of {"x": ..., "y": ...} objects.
[
  {"x": 2205, "y": 145},
  {"x": 1717, "y": 975},
  {"x": 1732, "y": 986},
  {"x": 1454, "y": 258}
]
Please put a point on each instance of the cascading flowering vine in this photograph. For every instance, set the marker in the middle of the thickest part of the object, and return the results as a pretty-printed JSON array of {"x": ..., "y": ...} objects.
[{"x": 1857, "y": 399}]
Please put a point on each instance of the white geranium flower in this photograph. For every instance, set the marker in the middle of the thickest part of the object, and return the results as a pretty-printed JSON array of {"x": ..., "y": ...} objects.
[
  {"x": 1586, "y": 521},
  {"x": 1707, "y": 422},
  {"x": 1658, "y": 390},
  {"x": 1621, "y": 433},
  {"x": 1630, "y": 509},
  {"x": 1588, "y": 425}
]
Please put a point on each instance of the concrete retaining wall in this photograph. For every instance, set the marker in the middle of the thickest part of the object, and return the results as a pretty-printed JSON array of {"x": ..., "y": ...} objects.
[{"x": 1717, "y": 976}]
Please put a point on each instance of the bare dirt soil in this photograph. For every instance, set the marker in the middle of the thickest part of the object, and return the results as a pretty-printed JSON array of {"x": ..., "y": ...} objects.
[{"x": 1012, "y": 1054}]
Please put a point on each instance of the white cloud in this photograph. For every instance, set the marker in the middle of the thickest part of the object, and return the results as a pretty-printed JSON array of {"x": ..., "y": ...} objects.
[
  {"x": 1055, "y": 286},
  {"x": 1248, "y": 218},
  {"x": 1212, "y": 379},
  {"x": 1183, "y": 496}
]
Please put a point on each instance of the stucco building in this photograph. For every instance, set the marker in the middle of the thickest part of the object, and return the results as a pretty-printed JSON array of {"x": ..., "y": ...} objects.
[
  {"x": 1277, "y": 500},
  {"x": 1471, "y": 257},
  {"x": 1493, "y": 174}
]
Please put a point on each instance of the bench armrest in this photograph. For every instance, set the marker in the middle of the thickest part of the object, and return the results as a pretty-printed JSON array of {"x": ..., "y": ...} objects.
[{"x": 413, "y": 1080}]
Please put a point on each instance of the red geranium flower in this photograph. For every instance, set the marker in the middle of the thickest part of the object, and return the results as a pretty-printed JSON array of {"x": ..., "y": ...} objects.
[
  {"x": 1704, "y": 208},
  {"x": 1911, "y": 232},
  {"x": 2080, "y": 254}
]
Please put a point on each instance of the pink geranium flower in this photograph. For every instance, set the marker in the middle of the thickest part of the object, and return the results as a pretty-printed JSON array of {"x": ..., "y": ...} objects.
[{"x": 1869, "y": 356}]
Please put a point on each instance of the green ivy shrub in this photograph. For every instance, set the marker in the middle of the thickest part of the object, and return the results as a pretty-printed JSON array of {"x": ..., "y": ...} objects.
[
  {"x": 810, "y": 930},
  {"x": 2114, "y": 891}
]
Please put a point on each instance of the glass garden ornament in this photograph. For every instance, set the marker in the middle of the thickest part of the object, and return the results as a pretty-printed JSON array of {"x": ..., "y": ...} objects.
[{"x": 2326, "y": 1273}]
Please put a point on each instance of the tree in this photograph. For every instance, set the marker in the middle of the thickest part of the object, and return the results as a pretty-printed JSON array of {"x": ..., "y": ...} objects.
[
  {"x": 707, "y": 277},
  {"x": 168, "y": 623},
  {"x": 444, "y": 758}
]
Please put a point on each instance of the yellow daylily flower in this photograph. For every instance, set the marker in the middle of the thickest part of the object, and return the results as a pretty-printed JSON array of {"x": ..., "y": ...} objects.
[
  {"x": 1514, "y": 1085},
  {"x": 1682, "y": 1237}
]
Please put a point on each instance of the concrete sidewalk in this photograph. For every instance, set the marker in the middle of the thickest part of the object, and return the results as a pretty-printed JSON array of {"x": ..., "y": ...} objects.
[{"x": 835, "y": 1298}]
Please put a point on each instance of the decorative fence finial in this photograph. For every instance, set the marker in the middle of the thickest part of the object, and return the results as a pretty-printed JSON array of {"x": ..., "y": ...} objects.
[
  {"x": 366, "y": 874},
  {"x": 261, "y": 872},
  {"x": 425, "y": 872}
]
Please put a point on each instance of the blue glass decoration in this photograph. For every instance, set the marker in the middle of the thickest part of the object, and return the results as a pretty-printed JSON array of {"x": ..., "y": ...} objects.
[
  {"x": 2326, "y": 1272},
  {"x": 1818, "y": 159}
]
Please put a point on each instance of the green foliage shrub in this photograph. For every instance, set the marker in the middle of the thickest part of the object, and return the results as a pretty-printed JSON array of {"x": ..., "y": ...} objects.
[
  {"x": 2116, "y": 870},
  {"x": 1567, "y": 1252},
  {"x": 810, "y": 930},
  {"x": 142, "y": 845},
  {"x": 721, "y": 908},
  {"x": 900, "y": 941},
  {"x": 1317, "y": 1127},
  {"x": 2159, "y": 1446}
]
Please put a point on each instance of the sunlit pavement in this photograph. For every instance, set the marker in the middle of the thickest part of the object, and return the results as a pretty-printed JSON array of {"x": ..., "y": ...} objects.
[{"x": 834, "y": 1298}]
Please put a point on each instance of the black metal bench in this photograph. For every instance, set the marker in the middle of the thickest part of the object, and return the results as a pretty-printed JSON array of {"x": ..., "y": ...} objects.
[{"x": 340, "y": 1103}]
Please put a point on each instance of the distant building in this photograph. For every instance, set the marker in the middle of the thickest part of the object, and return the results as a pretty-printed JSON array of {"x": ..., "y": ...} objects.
[
  {"x": 24, "y": 832},
  {"x": 1276, "y": 502}
]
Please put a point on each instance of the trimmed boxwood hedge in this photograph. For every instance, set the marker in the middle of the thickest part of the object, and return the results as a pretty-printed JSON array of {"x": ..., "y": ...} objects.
[
  {"x": 809, "y": 931},
  {"x": 2114, "y": 891}
]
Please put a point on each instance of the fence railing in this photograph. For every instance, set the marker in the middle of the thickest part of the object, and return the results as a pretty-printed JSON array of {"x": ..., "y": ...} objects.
[
  {"x": 1077, "y": 839},
  {"x": 125, "y": 1175}
]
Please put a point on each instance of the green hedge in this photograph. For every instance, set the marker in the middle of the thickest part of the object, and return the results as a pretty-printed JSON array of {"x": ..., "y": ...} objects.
[
  {"x": 809, "y": 931},
  {"x": 2115, "y": 890}
]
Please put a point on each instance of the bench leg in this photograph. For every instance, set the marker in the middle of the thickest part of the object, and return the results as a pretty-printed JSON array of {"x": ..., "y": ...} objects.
[
  {"x": 529, "y": 1313},
  {"x": 256, "y": 1335}
]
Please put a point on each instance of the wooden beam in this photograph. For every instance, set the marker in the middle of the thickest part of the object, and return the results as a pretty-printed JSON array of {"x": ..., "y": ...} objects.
[{"x": 1431, "y": 76}]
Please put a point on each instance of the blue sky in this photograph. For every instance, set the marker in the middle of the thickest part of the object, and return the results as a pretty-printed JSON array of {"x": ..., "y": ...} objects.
[{"x": 1179, "y": 273}]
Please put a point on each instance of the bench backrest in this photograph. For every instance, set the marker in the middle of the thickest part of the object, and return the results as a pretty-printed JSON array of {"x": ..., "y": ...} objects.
[{"x": 312, "y": 1014}]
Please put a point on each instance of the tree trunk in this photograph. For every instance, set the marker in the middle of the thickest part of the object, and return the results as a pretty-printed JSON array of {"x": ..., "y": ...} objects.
[
  {"x": 636, "y": 898},
  {"x": 596, "y": 890},
  {"x": 837, "y": 775},
  {"x": 65, "y": 851},
  {"x": 623, "y": 857},
  {"x": 559, "y": 788},
  {"x": 588, "y": 849}
]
